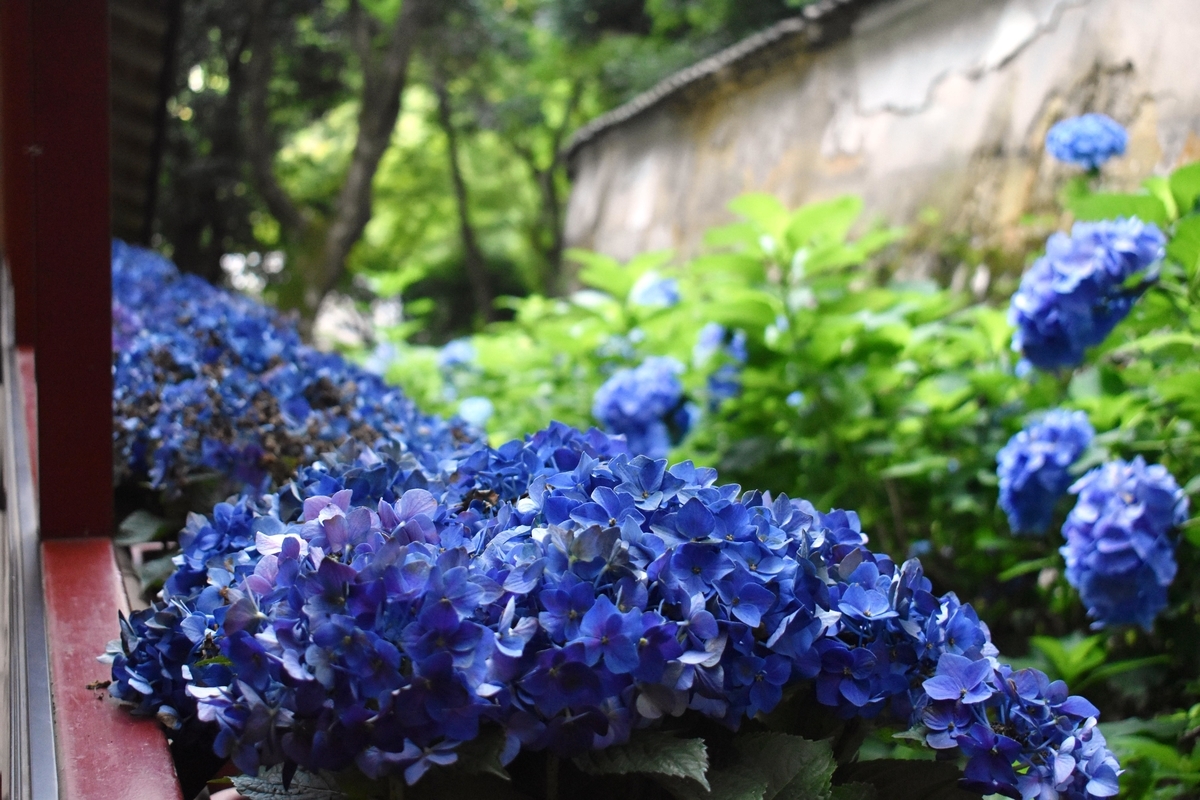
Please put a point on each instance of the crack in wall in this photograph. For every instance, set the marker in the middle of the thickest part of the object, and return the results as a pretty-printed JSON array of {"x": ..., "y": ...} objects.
[{"x": 976, "y": 73}]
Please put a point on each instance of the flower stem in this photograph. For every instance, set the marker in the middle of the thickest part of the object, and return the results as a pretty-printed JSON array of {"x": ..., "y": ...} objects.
[{"x": 551, "y": 777}]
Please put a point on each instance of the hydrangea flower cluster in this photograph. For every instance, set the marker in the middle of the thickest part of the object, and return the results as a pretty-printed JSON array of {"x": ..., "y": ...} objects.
[
  {"x": 1074, "y": 295},
  {"x": 1120, "y": 552},
  {"x": 1024, "y": 736},
  {"x": 1034, "y": 467},
  {"x": 713, "y": 342},
  {"x": 206, "y": 381},
  {"x": 646, "y": 405},
  {"x": 380, "y": 613},
  {"x": 654, "y": 290},
  {"x": 1087, "y": 141}
]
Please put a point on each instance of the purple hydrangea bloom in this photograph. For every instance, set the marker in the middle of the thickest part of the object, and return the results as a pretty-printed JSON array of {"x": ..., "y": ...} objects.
[
  {"x": 1120, "y": 551},
  {"x": 1087, "y": 141},
  {"x": 1034, "y": 467},
  {"x": 1074, "y": 295},
  {"x": 646, "y": 405}
]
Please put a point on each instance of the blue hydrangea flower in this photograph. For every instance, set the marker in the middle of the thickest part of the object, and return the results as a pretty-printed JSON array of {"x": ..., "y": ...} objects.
[
  {"x": 1087, "y": 141},
  {"x": 1120, "y": 550},
  {"x": 414, "y": 587},
  {"x": 476, "y": 410},
  {"x": 457, "y": 353},
  {"x": 379, "y": 613},
  {"x": 1034, "y": 467},
  {"x": 655, "y": 290},
  {"x": 726, "y": 348},
  {"x": 645, "y": 405},
  {"x": 207, "y": 383},
  {"x": 1074, "y": 295}
]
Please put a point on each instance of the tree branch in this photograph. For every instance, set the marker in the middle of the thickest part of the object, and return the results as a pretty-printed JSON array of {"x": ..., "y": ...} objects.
[
  {"x": 561, "y": 131},
  {"x": 384, "y": 77},
  {"x": 551, "y": 205},
  {"x": 476, "y": 264},
  {"x": 260, "y": 145}
]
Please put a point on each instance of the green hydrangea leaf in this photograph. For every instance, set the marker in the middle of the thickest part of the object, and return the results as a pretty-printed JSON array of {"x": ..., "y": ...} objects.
[
  {"x": 651, "y": 753},
  {"x": 268, "y": 785},
  {"x": 1185, "y": 186},
  {"x": 482, "y": 755},
  {"x": 727, "y": 785},
  {"x": 140, "y": 527},
  {"x": 1145, "y": 207},
  {"x": 769, "y": 766},
  {"x": 899, "y": 779},
  {"x": 794, "y": 768},
  {"x": 1184, "y": 246},
  {"x": 855, "y": 791}
]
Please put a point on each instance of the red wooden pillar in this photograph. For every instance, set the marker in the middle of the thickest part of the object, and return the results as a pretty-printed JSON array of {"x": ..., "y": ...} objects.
[
  {"x": 56, "y": 209},
  {"x": 54, "y": 137}
]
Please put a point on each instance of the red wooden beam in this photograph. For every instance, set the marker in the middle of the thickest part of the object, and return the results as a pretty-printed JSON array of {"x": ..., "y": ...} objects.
[
  {"x": 17, "y": 160},
  {"x": 56, "y": 214},
  {"x": 104, "y": 752}
]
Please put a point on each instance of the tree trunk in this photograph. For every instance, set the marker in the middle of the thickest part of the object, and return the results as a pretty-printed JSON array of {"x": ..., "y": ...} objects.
[
  {"x": 317, "y": 246},
  {"x": 475, "y": 262},
  {"x": 546, "y": 179}
]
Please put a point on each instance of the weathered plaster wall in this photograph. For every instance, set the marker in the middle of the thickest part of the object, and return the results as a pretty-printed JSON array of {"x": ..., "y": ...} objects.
[{"x": 938, "y": 104}]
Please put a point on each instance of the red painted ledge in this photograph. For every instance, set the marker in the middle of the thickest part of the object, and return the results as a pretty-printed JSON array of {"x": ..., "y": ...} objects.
[
  {"x": 27, "y": 370},
  {"x": 103, "y": 751}
]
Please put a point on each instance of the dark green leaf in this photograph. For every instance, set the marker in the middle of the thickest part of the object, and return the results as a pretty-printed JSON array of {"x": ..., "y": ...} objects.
[
  {"x": 1026, "y": 567},
  {"x": 725, "y": 786},
  {"x": 855, "y": 791},
  {"x": 922, "y": 466},
  {"x": 140, "y": 527},
  {"x": 482, "y": 755},
  {"x": 1109, "y": 671},
  {"x": 1071, "y": 658},
  {"x": 898, "y": 779},
  {"x": 154, "y": 573},
  {"x": 268, "y": 785},
  {"x": 651, "y": 753},
  {"x": 794, "y": 768}
]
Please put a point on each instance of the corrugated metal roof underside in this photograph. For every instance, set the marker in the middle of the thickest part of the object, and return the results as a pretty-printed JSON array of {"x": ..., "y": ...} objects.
[{"x": 138, "y": 49}]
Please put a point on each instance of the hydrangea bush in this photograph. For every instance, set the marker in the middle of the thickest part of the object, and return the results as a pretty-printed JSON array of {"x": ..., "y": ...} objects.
[
  {"x": 208, "y": 384},
  {"x": 901, "y": 396},
  {"x": 560, "y": 596},
  {"x": 566, "y": 595}
]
